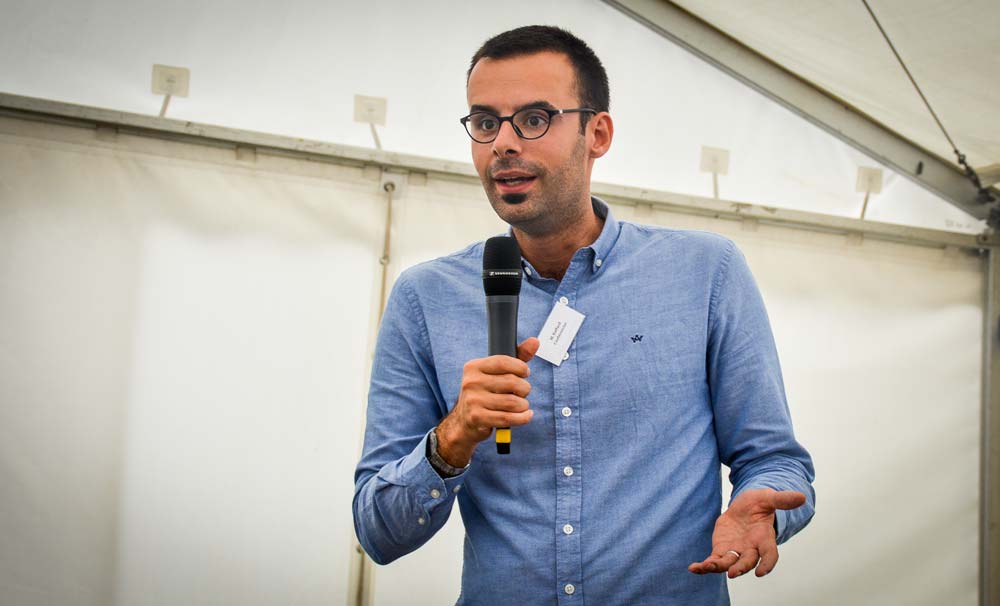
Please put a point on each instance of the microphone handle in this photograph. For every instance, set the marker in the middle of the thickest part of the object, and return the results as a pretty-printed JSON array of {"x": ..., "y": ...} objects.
[{"x": 501, "y": 318}]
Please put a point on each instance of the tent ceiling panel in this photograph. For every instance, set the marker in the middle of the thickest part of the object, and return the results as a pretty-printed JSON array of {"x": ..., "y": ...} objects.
[
  {"x": 950, "y": 47},
  {"x": 293, "y": 68},
  {"x": 869, "y": 104}
]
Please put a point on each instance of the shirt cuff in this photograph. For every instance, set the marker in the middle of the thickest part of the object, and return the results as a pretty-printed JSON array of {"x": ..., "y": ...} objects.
[{"x": 423, "y": 481}]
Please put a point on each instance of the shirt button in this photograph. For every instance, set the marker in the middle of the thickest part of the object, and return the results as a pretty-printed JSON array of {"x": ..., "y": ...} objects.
[
  {"x": 435, "y": 493},
  {"x": 564, "y": 300},
  {"x": 421, "y": 521},
  {"x": 567, "y": 411},
  {"x": 569, "y": 589},
  {"x": 456, "y": 489},
  {"x": 568, "y": 529},
  {"x": 598, "y": 262},
  {"x": 567, "y": 471},
  {"x": 527, "y": 270},
  {"x": 566, "y": 356}
]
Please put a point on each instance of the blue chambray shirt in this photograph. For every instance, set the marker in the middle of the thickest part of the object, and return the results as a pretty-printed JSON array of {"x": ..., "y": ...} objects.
[{"x": 613, "y": 488}]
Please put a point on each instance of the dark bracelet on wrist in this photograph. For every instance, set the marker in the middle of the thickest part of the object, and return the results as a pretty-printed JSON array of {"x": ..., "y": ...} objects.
[{"x": 440, "y": 465}]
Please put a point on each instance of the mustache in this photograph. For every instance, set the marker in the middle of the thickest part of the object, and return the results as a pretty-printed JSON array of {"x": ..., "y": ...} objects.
[{"x": 514, "y": 164}]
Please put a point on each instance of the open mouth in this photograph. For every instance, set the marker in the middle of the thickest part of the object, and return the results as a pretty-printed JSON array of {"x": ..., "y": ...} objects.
[{"x": 514, "y": 184}]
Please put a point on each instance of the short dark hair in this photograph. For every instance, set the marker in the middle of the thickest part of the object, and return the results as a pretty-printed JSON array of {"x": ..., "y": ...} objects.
[{"x": 591, "y": 79}]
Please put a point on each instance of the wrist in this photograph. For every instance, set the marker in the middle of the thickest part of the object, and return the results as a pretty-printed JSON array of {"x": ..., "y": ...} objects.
[
  {"x": 451, "y": 447},
  {"x": 442, "y": 467}
]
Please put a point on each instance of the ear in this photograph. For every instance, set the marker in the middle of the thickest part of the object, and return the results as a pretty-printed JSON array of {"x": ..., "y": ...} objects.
[{"x": 602, "y": 130}]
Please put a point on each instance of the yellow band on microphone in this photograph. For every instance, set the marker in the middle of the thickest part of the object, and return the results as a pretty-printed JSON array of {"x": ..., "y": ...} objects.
[{"x": 503, "y": 436}]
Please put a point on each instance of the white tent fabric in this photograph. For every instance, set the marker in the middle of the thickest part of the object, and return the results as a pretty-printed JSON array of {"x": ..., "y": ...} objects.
[
  {"x": 182, "y": 378},
  {"x": 292, "y": 68},
  {"x": 950, "y": 46},
  {"x": 182, "y": 361}
]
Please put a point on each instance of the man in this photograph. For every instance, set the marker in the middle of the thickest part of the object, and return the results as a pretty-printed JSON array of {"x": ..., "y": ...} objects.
[{"x": 611, "y": 494}]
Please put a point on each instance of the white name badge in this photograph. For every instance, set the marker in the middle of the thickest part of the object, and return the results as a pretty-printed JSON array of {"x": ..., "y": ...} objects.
[{"x": 558, "y": 333}]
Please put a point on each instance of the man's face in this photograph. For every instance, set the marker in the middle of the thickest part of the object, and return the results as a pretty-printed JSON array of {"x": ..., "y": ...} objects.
[{"x": 537, "y": 185}]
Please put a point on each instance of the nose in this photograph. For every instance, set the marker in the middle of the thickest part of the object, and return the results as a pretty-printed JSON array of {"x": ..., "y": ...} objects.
[{"x": 507, "y": 142}]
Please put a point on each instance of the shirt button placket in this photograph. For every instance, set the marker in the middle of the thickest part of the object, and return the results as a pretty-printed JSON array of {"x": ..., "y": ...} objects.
[{"x": 569, "y": 568}]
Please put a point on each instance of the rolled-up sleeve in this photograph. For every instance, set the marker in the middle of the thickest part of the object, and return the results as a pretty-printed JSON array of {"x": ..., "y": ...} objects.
[
  {"x": 752, "y": 420},
  {"x": 400, "y": 501}
]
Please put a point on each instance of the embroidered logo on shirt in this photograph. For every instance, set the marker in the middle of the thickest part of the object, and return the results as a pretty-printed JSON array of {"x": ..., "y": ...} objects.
[{"x": 636, "y": 338}]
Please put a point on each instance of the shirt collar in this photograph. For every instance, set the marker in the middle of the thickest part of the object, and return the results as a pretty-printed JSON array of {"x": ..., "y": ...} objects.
[
  {"x": 605, "y": 242},
  {"x": 609, "y": 235}
]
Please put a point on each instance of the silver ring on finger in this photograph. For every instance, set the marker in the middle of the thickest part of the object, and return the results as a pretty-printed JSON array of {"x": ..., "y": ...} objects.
[{"x": 738, "y": 555}]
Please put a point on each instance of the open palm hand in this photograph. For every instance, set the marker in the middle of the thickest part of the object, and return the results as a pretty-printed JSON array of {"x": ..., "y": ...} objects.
[{"x": 744, "y": 535}]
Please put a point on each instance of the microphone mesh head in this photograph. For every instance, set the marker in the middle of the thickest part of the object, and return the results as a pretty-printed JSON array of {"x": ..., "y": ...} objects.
[{"x": 502, "y": 266}]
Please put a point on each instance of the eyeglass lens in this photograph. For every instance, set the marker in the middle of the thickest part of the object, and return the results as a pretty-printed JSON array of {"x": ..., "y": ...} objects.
[{"x": 529, "y": 123}]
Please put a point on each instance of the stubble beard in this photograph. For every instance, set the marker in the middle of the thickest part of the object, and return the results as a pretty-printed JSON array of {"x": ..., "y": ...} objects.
[{"x": 557, "y": 204}]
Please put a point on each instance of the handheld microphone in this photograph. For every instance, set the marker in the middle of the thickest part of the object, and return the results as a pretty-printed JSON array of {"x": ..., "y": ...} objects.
[{"x": 502, "y": 283}]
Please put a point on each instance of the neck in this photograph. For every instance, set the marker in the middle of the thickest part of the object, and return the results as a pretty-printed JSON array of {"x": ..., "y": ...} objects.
[{"x": 550, "y": 254}]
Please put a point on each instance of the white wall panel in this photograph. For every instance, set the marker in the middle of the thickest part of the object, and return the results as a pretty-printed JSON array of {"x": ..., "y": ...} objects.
[
  {"x": 180, "y": 370},
  {"x": 67, "y": 303}
]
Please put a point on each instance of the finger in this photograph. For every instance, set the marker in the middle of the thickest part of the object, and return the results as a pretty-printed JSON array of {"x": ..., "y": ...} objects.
[
  {"x": 788, "y": 499},
  {"x": 508, "y": 419},
  {"x": 707, "y": 566},
  {"x": 717, "y": 562},
  {"x": 748, "y": 559},
  {"x": 484, "y": 402},
  {"x": 528, "y": 348},
  {"x": 505, "y": 403},
  {"x": 768, "y": 559},
  {"x": 501, "y": 365},
  {"x": 504, "y": 384}
]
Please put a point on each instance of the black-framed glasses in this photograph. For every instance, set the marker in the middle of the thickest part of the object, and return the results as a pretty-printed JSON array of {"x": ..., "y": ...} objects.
[{"x": 528, "y": 123}]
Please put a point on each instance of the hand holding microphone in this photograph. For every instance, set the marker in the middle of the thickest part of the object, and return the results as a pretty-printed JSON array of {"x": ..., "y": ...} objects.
[
  {"x": 493, "y": 389},
  {"x": 493, "y": 394}
]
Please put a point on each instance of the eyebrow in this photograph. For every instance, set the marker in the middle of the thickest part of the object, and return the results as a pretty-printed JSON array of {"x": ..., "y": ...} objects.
[{"x": 541, "y": 103}]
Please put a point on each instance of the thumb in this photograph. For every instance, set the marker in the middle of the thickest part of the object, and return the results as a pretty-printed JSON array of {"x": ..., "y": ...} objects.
[
  {"x": 788, "y": 499},
  {"x": 528, "y": 348}
]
